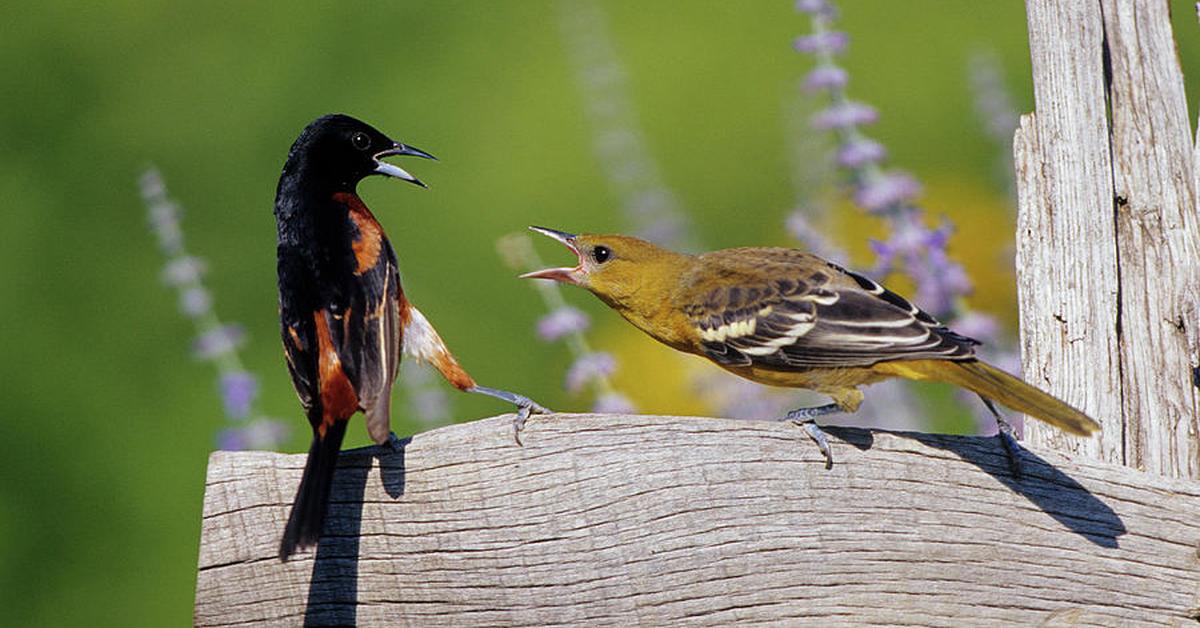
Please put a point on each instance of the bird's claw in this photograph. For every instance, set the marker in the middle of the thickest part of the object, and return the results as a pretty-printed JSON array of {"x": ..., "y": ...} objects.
[
  {"x": 818, "y": 436},
  {"x": 805, "y": 418},
  {"x": 525, "y": 408},
  {"x": 1005, "y": 432},
  {"x": 1011, "y": 447}
]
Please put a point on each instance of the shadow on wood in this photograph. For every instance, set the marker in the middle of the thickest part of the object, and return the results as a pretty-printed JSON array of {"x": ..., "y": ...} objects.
[
  {"x": 333, "y": 588},
  {"x": 660, "y": 520},
  {"x": 1044, "y": 485}
]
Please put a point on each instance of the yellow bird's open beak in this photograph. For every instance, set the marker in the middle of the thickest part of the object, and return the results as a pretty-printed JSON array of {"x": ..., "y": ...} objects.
[{"x": 565, "y": 275}]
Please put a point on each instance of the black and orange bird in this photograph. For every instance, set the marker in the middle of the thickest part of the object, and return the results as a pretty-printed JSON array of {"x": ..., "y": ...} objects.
[
  {"x": 784, "y": 317},
  {"x": 344, "y": 317}
]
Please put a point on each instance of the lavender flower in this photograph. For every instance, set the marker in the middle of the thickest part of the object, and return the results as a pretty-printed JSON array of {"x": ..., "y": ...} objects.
[
  {"x": 825, "y": 78},
  {"x": 258, "y": 434},
  {"x": 215, "y": 342},
  {"x": 239, "y": 389},
  {"x": 816, "y": 7},
  {"x": 588, "y": 368},
  {"x": 613, "y": 403},
  {"x": 184, "y": 271},
  {"x": 561, "y": 322},
  {"x": 830, "y": 41},
  {"x": 219, "y": 342},
  {"x": 195, "y": 302},
  {"x": 845, "y": 115},
  {"x": 860, "y": 153},
  {"x": 885, "y": 192}
]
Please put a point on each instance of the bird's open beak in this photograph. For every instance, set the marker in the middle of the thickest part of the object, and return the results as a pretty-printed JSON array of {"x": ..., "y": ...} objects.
[
  {"x": 390, "y": 170},
  {"x": 565, "y": 275}
]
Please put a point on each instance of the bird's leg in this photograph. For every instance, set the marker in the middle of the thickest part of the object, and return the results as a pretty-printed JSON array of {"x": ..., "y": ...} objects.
[
  {"x": 806, "y": 418},
  {"x": 1004, "y": 432},
  {"x": 423, "y": 342},
  {"x": 525, "y": 406}
]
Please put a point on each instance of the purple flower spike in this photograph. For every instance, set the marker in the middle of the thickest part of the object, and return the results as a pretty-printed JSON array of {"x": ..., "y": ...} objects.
[
  {"x": 826, "y": 77},
  {"x": 909, "y": 238},
  {"x": 887, "y": 192},
  {"x": 588, "y": 367},
  {"x": 265, "y": 433},
  {"x": 981, "y": 327},
  {"x": 561, "y": 322},
  {"x": 885, "y": 256},
  {"x": 183, "y": 270},
  {"x": 231, "y": 439},
  {"x": 940, "y": 237},
  {"x": 219, "y": 341},
  {"x": 815, "y": 7},
  {"x": 860, "y": 152},
  {"x": 845, "y": 115},
  {"x": 613, "y": 403},
  {"x": 238, "y": 391},
  {"x": 954, "y": 278},
  {"x": 831, "y": 42},
  {"x": 261, "y": 434},
  {"x": 195, "y": 302}
]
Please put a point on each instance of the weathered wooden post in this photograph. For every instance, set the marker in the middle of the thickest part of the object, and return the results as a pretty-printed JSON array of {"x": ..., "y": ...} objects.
[
  {"x": 625, "y": 520},
  {"x": 1108, "y": 247}
]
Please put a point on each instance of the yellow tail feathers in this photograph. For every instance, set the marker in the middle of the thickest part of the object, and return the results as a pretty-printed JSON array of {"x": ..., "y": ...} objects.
[{"x": 993, "y": 383}]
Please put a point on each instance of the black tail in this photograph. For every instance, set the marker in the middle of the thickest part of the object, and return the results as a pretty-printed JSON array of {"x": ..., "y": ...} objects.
[{"x": 312, "y": 498}]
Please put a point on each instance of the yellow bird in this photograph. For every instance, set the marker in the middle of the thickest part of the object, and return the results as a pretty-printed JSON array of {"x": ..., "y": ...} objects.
[{"x": 788, "y": 318}]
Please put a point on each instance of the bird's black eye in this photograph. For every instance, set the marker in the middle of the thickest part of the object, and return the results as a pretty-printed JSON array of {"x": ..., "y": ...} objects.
[
  {"x": 601, "y": 254},
  {"x": 361, "y": 141}
]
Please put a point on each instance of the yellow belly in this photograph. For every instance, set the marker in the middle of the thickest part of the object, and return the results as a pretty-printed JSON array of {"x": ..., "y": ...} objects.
[{"x": 827, "y": 381}]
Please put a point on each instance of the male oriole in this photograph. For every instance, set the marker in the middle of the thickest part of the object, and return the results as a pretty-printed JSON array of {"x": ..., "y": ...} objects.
[{"x": 344, "y": 317}]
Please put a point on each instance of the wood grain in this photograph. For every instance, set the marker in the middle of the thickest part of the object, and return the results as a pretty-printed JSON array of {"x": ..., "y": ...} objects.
[
  {"x": 1067, "y": 279},
  {"x": 625, "y": 520},
  {"x": 1109, "y": 232},
  {"x": 1158, "y": 239}
]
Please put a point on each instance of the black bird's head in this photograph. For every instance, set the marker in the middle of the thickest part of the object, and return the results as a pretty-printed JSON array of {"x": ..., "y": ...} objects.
[{"x": 338, "y": 151}]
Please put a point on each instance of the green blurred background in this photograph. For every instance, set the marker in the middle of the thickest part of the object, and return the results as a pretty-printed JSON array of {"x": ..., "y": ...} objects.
[{"x": 109, "y": 423}]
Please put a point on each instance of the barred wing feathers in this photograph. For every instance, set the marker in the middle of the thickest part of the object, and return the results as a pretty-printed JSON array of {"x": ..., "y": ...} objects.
[{"x": 790, "y": 310}]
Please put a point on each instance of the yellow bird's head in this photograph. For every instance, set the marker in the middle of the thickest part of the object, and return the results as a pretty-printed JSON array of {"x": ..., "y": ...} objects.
[{"x": 625, "y": 272}]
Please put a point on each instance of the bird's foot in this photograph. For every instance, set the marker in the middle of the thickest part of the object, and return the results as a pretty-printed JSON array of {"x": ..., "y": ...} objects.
[
  {"x": 806, "y": 418},
  {"x": 1005, "y": 432},
  {"x": 1011, "y": 447},
  {"x": 525, "y": 407}
]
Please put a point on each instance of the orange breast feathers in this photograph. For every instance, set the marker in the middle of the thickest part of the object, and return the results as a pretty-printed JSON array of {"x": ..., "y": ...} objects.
[
  {"x": 369, "y": 241},
  {"x": 339, "y": 401}
]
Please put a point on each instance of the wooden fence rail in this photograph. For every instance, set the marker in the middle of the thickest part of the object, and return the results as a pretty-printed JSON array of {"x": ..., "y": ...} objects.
[{"x": 666, "y": 520}]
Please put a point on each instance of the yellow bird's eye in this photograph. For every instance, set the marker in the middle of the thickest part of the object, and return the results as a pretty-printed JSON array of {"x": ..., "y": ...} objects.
[{"x": 601, "y": 254}]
